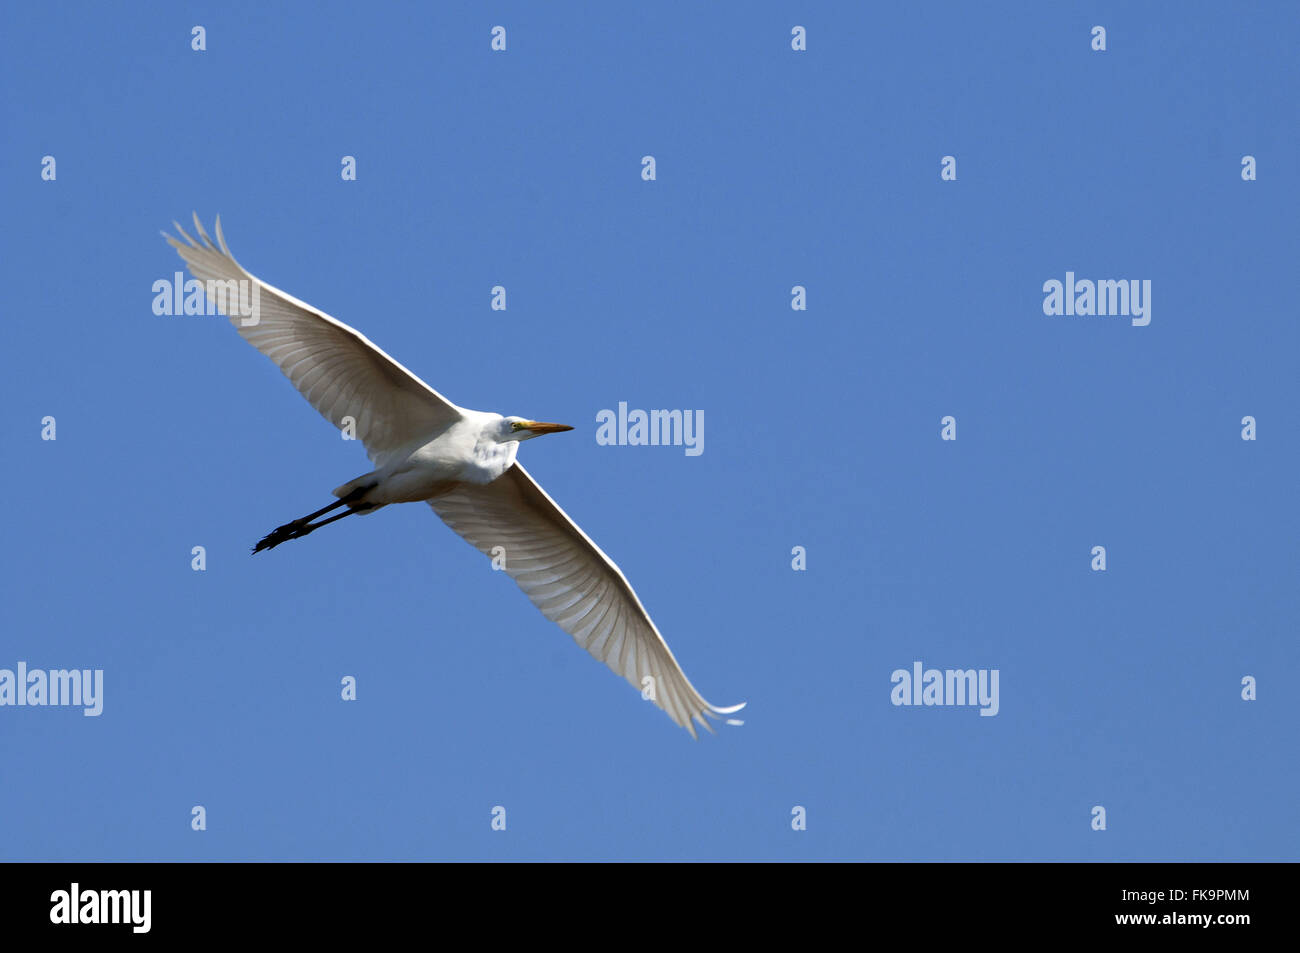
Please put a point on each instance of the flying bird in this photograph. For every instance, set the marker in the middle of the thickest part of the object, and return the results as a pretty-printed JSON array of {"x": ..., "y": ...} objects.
[{"x": 461, "y": 462}]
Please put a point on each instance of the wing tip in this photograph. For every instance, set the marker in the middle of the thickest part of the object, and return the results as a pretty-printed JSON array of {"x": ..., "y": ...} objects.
[
  {"x": 221, "y": 240},
  {"x": 204, "y": 242},
  {"x": 729, "y": 710},
  {"x": 713, "y": 711}
]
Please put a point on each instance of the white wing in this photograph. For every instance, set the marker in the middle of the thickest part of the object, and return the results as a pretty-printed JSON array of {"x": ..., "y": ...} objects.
[
  {"x": 575, "y": 585},
  {"x": 339, "y": 371}
]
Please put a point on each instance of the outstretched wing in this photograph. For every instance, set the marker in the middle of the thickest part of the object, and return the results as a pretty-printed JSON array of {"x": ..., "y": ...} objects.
[
  {"x": 575, "y": 585},
  {"x": 339, "y": 371}
]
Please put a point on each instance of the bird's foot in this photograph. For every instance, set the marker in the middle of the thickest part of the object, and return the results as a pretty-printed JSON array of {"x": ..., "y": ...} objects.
[{"x": 281, "y": 534}]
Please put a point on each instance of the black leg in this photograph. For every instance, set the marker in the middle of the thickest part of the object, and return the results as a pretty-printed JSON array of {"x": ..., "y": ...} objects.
[
  {"x": 320, "y": 512},
  {"x": 301, "y": 527},
  {"x": 303, "y": 531},
  {"x": 351, "y": 497}
]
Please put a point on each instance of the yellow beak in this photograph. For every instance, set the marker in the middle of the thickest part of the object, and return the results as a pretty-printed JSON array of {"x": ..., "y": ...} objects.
[{"x": 538, "y": 427}]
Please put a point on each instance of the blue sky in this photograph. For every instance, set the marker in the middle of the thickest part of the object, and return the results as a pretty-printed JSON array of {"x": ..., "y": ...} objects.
[{"x": 774, "y": 168}]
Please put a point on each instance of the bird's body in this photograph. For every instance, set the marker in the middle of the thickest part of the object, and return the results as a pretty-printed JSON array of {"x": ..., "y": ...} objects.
[
  {"x": 466, "y": 451},
  {"x": 462, "y": 463}
]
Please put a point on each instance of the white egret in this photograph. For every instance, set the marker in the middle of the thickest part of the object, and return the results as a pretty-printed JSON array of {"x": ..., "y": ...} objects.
[{"x": 462, "y": 462}]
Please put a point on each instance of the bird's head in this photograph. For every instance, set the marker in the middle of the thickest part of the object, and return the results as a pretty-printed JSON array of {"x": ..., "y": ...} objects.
[{"x": 517, "y": 428}]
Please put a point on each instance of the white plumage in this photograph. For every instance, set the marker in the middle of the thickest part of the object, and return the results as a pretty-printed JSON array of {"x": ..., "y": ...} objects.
[{"x": 424, "y": 447}]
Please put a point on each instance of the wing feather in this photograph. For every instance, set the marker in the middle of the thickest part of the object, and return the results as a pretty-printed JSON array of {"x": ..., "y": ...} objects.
[
  {"x": 340, "y": 371},
  {"x": 574, "y": 584}
]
